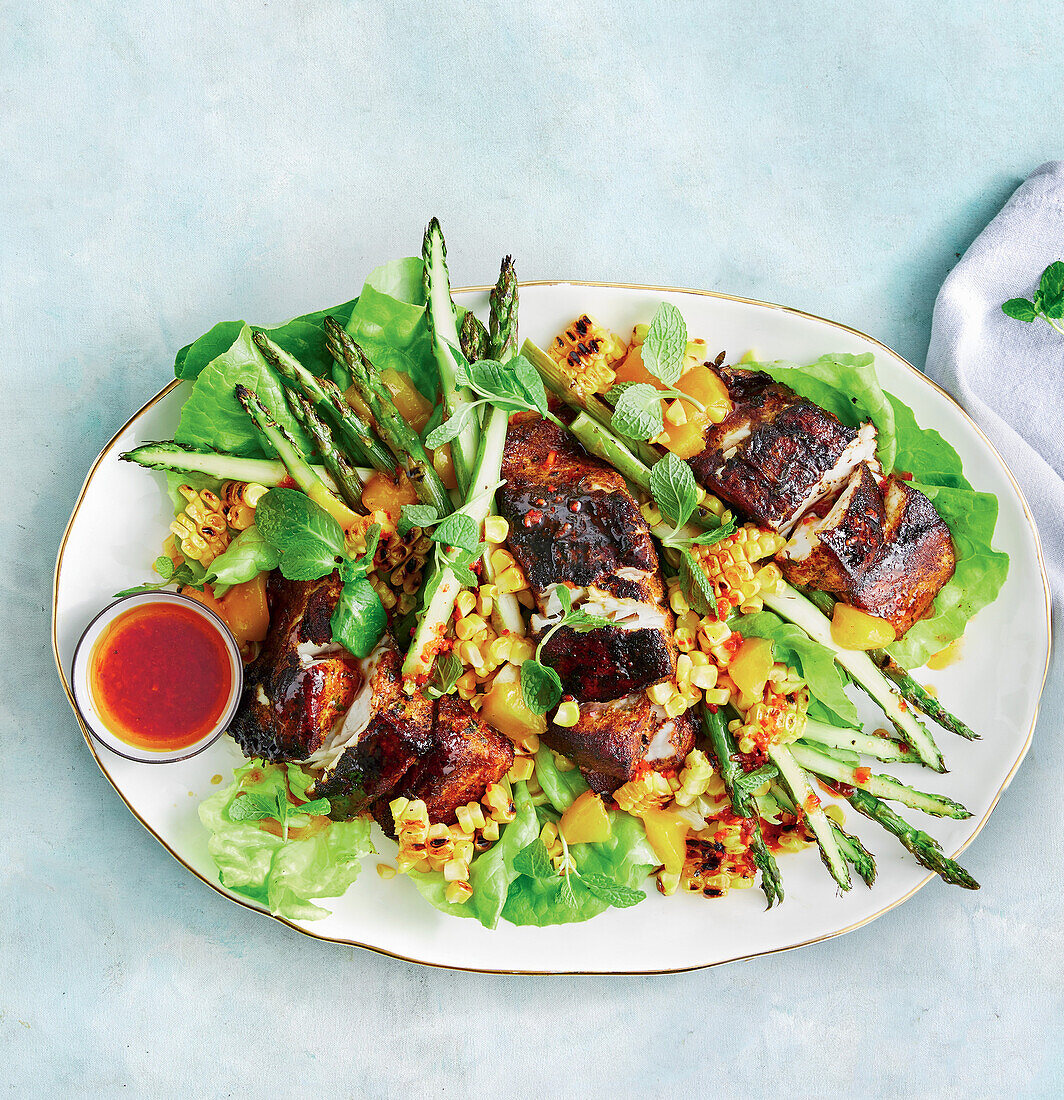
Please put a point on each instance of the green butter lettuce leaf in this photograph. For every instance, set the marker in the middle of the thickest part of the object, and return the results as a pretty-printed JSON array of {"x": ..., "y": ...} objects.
[
  {"x": 192, "y": 358},
  {"x": 626, "y": 857},
  {"x": 923, "y": 453},
  {"x": 303, "y": 337},
  {"x": 390, "y": 324},
  {"x": 847, "y": 386},
  {"x": 814, "y": 662},
  {"x": 212, "y": 418},
  {"x": 491, "y": 872},
  {"x": 282, "y": 875}
]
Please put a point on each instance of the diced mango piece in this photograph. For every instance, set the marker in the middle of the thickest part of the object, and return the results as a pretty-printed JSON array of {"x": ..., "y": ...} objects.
[
  {"x": 381, "y": 493},
  {"x": 751, "y": 666},
  {"x": 407, "y": 398},
  {"x": 586, "y": 821},
  {"x": 667, "y": 833},
  {"x": 704, "y": 386},
  {"x": 688, "y": 439},
  {"x": 852, "y": 628},
  {"x": 443, "y": 464},
  {"x": 631, "y": 368},
  {"x": 245, "y": 611},
  {"x": 504, "y": 708}
]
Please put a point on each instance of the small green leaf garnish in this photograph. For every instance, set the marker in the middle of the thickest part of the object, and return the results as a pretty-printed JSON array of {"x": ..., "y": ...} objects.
[
  {"x": 665, "y": 344},
  {"x": 181, "y": 575},
  {"x": 610, "y": 890},
  {"x": 1048, "y": 300},
  {"x": 541, "y": 686},
  {"x": 672, "y": 485}
]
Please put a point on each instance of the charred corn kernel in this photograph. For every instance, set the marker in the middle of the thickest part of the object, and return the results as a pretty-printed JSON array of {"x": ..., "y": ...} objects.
[
  {"x": 568, "y": 714},
  {"x": 495, "y": 529},
  {"x": 716, "y": 633},
  {"x": 485, "y": 602},
  {"x": 490, "y": 832},
  {"x": 465, "y": 601},
  {"x": 704, "y": 676},
  {"x": 467, "y": 685},
  {"x": 529, "y": 745},
  {"x": 660, "y": 693},
  {"x": 201, "y": 529},
  {"x": 456, "y": 870},
  {"x": 639, "y": 334},
  {"x": 668, "y": 882},
  {"x": 643, "y": 793},
  {"x": 501, "y": 560},
  {"x": 458, "y": 893},
  {"x": 511, "y": 580},
  {"x": 470, "y": 816},
  {"x": 694, "y": 778},
  {"x": 588, "y": 352},
  {"x": 470, "y": 626},
  {"x": 522, "y": 769},
  {"x": 386, "y": 870}
]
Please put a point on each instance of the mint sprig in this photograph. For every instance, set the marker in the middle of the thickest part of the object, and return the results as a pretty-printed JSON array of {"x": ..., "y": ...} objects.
[
  {"x": 637, "y": 405},
  {"x": 1048, "y": 302},
  {"x": 534, "y": 862},
  {"x": 183, "y": 575}
]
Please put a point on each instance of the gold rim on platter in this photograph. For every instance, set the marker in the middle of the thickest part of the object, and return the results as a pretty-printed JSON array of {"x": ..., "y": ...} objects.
[{"x": 672, "y": 970}]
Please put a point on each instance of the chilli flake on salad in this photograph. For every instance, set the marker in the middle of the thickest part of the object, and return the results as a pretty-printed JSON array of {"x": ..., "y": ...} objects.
[{"x": 561, "y": 622}]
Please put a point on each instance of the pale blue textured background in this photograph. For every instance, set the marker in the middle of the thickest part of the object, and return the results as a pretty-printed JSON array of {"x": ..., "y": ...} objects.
[{"x": 168, "y": 165}]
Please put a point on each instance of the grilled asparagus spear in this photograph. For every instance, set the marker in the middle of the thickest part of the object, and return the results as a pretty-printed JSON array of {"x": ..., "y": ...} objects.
[
  {"x": 296, "y": 464},
  {"x": 341, "y": 471},
  {"x": 443, "y": 324}
]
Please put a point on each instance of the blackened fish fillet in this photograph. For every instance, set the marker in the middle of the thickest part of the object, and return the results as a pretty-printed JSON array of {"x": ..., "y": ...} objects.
[
  {"x": 574, "y": 523},
  {"x": 776, "y": 454}
]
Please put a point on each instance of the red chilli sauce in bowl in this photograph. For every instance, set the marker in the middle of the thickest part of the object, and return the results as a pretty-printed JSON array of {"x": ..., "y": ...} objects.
[{"x": 157, "y": 677}]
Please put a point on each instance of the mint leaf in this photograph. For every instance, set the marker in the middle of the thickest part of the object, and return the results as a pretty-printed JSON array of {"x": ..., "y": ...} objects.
[
  {"x": 444, "y": 676},
  {"x": 665, "y": 344},
  {"x": 183, "y": 576},
  {"x": 309, "y": 540},
  {"x": 541, "y": 687},
  {"x": 582, "y": 622},
  {"x": 745, "y": 783},
  {"x": 637, "y": 412},
  {"x": 359, "y": 619},
  {"x": 461, "y": 566},
  {"x": 708, "y": 538},
  {"x": 416, "y": 515},
  {"x": 616, "y": 893},
  {"x": 672, "y": 486},
  {"x": 451, "y": 427},
  {"x": 458, "y": 530},
  {"x": 1050, "y": 295},
  {"x": 1020, "y": 310},
  {"x": 164, "y": 566},
  {"x": 251, "y": 806},
  {"x": 531, "y": 383},
  {"x": 697, "y": 587},
  {"x": 566, "y": 895},
  {"x": 534, "y": 861}
]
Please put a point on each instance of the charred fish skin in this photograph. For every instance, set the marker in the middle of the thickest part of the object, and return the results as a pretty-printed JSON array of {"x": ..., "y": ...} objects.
[
  {"x": 608, "y": 663},
  {"x": 616, "y": 741},
  {"x": 467, "y": 755},
  {"x": 573, "y": 523},
  {"x": 301, "y": 682},
  {"x": 776, "y": 454},
  {"x": 917, "y": 559},
  {"x": 882, "y": 548}
]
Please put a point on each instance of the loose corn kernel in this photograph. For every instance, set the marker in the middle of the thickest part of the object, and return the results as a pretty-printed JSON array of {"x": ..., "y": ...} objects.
[
  {"x": 457, "y": 870},
  {"x": 467, "y": 685},
  {"x": 511, "y": 580},
  {"x": 568, "y": 714},
  {"x": 386, "y": 870},
  {"x": 521, "y": 650},
  {"x": 675, "y": 413},
  {"x": 490, "y": 831},
  {"x": 495, "y": 529},
  {"x": 501, "y": 560},
  {"x": 500, "y": 649},
  {"x": 660, "y": 693},
  {"x": 465, "y": 601},
  {"x": 470, "y": 817},
  {"x": 676, "y": 706},
  {"x": 457, "y": 893},
  {"x": 717, "y": 696},
  {"x": 485, "y": 602},
  {"x": 704, "y": 676},
  {"x": 522, "y": 769}
]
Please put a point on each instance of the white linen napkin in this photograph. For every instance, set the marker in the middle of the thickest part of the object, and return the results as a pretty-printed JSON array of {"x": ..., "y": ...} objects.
[{"x": 1009, "y": 375}]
